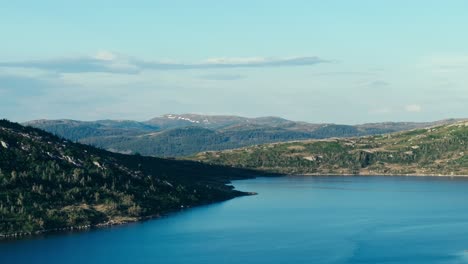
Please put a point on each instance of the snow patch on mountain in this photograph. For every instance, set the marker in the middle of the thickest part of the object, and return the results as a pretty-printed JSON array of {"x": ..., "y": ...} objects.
[{"x": 174, "y": 117}]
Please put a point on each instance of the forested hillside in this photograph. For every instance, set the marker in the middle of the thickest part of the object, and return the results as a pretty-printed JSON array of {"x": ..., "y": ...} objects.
[
  {"x": 440, "y": 150},
  {"x": 181, "y": 135},
  {"x": 189, "y": 140},
  {"x": 49, "y": 183}
]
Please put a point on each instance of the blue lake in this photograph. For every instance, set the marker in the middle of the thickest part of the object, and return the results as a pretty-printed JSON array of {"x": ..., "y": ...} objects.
[{"x": 292, "y": 220}]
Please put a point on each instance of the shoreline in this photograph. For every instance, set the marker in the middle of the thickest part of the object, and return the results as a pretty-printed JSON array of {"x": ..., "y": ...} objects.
[
  {"x": 381, "y": 174},
  {"x": 113, "y": 222},
  {"x": 109, "y": 223}
]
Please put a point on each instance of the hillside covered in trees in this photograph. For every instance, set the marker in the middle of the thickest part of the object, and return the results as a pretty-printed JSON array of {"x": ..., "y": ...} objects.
[
  {"x": 181, "y": 135},
  {"x": 439, "y": 150},
  {"x": 49, "y": 183}
]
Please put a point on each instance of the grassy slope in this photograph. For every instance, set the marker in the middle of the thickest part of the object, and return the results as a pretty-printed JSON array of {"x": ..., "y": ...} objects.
[
  {"x": 47, "y": 183},
  {"x": 441, "y": 150}
]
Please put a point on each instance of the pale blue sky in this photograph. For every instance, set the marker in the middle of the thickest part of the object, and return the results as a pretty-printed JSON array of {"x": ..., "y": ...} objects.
[{"x": 319, "y": 61}]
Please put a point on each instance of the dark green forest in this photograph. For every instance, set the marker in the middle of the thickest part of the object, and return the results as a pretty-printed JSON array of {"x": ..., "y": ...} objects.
[{"x": 49, "y": 183}]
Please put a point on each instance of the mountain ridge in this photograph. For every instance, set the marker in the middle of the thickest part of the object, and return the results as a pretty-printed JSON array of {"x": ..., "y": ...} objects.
[{"x": 152, "y": 138}]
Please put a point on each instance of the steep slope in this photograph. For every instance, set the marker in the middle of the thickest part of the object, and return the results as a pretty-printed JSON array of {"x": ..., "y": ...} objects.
[
  {"x": 441, "y": 150},
  {"x": 180, "y": 135},
  {"x": 48, "y": 183}
]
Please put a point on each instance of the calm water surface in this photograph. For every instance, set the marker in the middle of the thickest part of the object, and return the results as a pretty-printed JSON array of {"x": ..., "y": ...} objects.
[{"x": 292, "y": 220}]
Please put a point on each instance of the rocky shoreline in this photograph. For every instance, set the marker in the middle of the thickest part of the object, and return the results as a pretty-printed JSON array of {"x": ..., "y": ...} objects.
[
  {"x": 69, "y": 228},
  {"x": 108, "y": 223}
]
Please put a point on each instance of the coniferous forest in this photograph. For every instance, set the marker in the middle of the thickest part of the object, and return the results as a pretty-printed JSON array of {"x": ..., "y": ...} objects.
[{"x": 48, "y": 183}]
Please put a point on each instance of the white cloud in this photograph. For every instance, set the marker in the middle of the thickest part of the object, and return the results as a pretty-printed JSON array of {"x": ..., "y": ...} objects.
[
  {"x": 222, "y": 77},
  {"x": 105, "y": 61},
  {"x": 235, "y": 60},
  {"x": 444, "y": 65},
  {"x": 105, "y": 55},
  {"x": 413, "y": 108},
  {"x": 381, "y": 110}
]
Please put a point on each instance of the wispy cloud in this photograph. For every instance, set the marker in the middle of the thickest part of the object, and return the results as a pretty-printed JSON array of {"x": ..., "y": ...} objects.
[
  {"x": 105, "y": 61},
  {"x": 381, "y": 110},
  {"x": 379, "y": 84},
  {"x": 222, "y": 77},
  {"x": 98, "y": 63},
  {"x": 445, "y": 64},
  {"x": 413, "y": 108},
  {"x": 343, "y": 73}
]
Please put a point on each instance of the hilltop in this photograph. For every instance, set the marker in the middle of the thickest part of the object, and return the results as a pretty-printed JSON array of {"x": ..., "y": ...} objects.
[
  {"x": 438, "y": 150},
  {"x": 49, "y": 183},
  {"x": 174, "y": 135}
]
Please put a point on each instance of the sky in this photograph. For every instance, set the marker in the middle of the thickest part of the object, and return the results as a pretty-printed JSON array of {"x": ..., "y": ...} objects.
[{"x": 328, "y": 61}]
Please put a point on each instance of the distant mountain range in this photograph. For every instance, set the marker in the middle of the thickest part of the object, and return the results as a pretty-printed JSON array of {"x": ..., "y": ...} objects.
[
  {"x": 437, "y": 150},
  {"x": 174, "y": 135},
  {"x": 49, "y": 184}
]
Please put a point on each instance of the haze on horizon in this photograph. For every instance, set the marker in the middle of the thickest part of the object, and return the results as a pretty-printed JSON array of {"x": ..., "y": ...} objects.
[{"x": 317, "y": 61}]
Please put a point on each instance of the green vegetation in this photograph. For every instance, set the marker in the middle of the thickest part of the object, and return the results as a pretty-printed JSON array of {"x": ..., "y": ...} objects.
[
  {"x": 182, "y": 135},
  {"x": 440, "y": 150},
  {"x": 190, "y": 140},
  {"x": 48, "y": 183}
]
